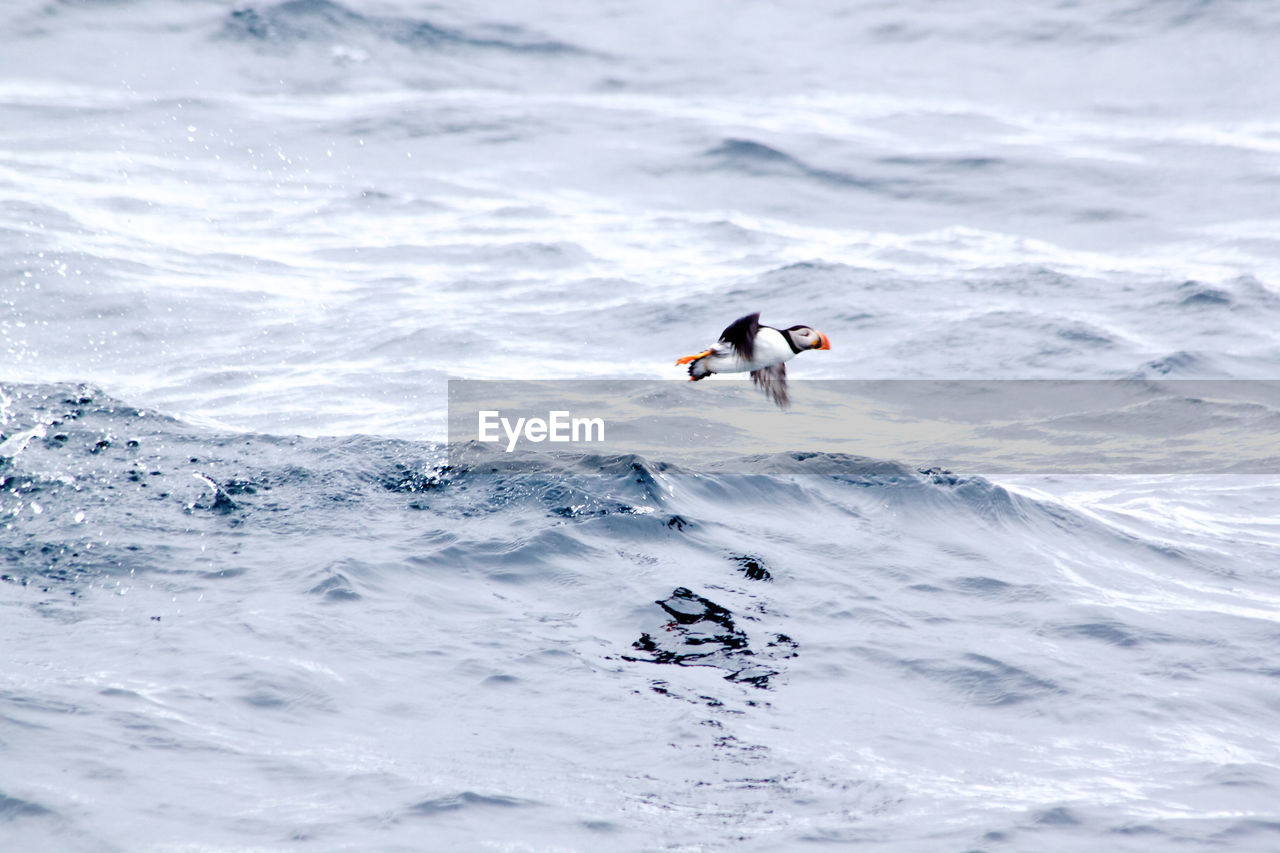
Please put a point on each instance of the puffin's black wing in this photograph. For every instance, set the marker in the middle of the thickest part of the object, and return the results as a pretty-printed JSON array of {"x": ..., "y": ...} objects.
[
  {"x": 773, "y": 381},
  {"x": 741, "y": 334}
]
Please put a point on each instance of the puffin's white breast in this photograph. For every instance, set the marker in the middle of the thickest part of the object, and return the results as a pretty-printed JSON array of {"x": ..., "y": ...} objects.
[{"x": 771, "y": 348}]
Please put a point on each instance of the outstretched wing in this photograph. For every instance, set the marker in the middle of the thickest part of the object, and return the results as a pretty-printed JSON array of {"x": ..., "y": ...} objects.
[
  {"x": 741, "y": 335},
  {"x": 773, "y": 381}
]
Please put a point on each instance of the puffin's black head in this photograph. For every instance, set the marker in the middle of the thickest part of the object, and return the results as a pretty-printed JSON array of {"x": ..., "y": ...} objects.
[{"x": 803, "y": 338}]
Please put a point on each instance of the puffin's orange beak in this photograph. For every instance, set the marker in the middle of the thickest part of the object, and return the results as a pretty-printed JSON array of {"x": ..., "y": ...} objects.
[{"x": 826, "y": 342}]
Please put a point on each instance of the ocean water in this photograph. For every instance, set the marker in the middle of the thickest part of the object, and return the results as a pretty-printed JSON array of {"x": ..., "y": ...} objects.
[{"x": 247, "y": 604}]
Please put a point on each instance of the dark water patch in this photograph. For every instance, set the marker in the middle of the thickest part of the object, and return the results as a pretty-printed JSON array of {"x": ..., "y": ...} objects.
[
  {"x": 739, "y": 751},
  {"x": 1145, "y": 18},
  {"x": 1200, "y": 295},
  {"x": 1135, "y": 829},
  {"x": 983, "y": 586},
  {"x": 688, "y": 609},
  {"x": 745, "y": 151},
  {"x": 999, "y": 590},
  {"x": 501, "y": 680},
  {"x": 945, "y": 164},
  {"x": 467, "y": 800},
  {"x": 41, "y": 704},
  {"x": 703, "y": 633},
  {"x": 760, "y": 160},
  {"x": 898, "y": 32},
  {"x": 14, "y": 808},
  {"x": 284, "y": 692},
  {"x": 1101, "y": 214},
  {"x": 664, "y": 688},
  {"x": 1111, "y": 633},
  {"x": 235, "y": 486},
  {"x": 335, "y": 588},
  {"x": 984, "y": 680},
  {"x": 1247, "y": 827},
  {"x": 1084, "y": 333},
  {"x": 1057, "y": 816},
  {"x": 1182, "y": 363},
  {"x": 753, "y": 568},
  {"x": 265, "y": 699},
  {"x": 297, "y": 22}
]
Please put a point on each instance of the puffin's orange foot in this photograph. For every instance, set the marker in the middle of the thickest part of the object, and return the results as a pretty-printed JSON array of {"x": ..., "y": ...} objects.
[{"x": 689, "y": 358}]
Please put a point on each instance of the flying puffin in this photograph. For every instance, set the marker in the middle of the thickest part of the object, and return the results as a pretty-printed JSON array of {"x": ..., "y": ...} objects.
[{"x": 763, "y": 350}]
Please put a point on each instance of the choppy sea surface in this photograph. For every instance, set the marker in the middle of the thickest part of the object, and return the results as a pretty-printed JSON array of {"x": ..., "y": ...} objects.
[{"x": 246, "y": 604}]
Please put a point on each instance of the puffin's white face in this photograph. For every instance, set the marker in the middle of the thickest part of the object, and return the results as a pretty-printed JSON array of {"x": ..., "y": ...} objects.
[{"x": 807, "y": 338}]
